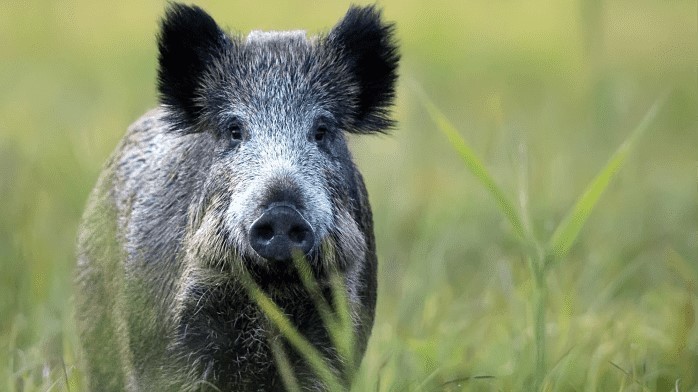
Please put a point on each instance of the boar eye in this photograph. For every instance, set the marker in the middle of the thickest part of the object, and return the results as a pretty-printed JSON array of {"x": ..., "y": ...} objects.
[
  {"x": 235, "y": 132},
  {"x": 320, "y": 133}
]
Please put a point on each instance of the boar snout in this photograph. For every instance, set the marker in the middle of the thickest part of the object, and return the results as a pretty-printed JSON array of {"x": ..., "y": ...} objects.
[{"x": 279, "y": 231}]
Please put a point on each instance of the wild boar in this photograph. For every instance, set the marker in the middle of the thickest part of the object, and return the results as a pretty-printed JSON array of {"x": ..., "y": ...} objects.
[{"x": 243, "y": 164}]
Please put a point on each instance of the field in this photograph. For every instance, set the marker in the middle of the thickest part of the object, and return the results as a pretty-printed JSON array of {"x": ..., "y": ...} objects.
[{"x": 542, "y": 93}]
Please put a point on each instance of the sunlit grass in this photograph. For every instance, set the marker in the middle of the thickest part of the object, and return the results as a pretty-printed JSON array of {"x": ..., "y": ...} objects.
[{"x": 540, "y": 257}]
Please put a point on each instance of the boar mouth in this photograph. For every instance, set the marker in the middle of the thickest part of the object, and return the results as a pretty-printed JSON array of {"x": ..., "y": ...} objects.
[{"x": 278, "y": 274}]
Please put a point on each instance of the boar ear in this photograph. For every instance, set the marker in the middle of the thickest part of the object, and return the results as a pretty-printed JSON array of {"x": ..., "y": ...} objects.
[
  {"x": 368, "y": 46},
  {"x": 189, "y": 40}
]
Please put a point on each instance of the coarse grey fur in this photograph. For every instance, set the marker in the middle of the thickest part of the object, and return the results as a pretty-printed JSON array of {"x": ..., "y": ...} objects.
[{"x": 245, "y": 125}]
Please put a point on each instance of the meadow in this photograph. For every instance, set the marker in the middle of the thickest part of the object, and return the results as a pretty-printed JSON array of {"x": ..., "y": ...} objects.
[{"x": 541, "y": 186}]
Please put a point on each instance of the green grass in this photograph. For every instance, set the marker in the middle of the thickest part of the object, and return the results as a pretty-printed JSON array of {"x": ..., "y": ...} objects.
[
  {"x": 540, "y": 258},
  {"x": 527, "y": 213}
]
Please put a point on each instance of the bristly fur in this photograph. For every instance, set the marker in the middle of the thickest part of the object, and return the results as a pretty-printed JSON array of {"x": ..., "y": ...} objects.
[
  {"x": 361, "y": 48},
  {"x": 245, "y": 126}
]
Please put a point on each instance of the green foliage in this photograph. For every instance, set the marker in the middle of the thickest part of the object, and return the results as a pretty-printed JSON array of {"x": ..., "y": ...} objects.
[
  {"x": 566, "y": 232},
  {"x": 475, "y": 165},
  {"x": 544, "y": 92}
]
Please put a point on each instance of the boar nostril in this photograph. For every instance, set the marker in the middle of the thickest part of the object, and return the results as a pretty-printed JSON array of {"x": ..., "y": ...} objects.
[
  {"x": 265, "y": 232},
  {"x": 297, "y": 234},
  {"x": 280, "y": 231}
]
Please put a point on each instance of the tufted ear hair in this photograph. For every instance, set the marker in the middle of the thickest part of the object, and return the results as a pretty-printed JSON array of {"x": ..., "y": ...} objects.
[
  {"x": 368, "y": 46},
  {"x": 189, "y": 40}
]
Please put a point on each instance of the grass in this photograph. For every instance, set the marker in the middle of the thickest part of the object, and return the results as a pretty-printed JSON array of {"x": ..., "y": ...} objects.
[
  {"x": 540, "y": 258},
  {"x": 338, "y": 324},
  {"x": 547, "y": 241}
]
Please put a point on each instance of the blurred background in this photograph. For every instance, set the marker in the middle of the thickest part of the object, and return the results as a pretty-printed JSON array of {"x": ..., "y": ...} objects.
[{"x": 543, "y": 91}]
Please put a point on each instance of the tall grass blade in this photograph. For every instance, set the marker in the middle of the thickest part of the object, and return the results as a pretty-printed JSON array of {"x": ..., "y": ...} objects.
[
  {"x": 314, "y": 358},
  {"x": 314, "y": 292},
  {"x": 473, "y": 163},
  {"x": 339, "y": 325},
  {"x": 344, "y": 337},
  {"x": 568, "y": 230},
  {"x": 285, "y": 369}
]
